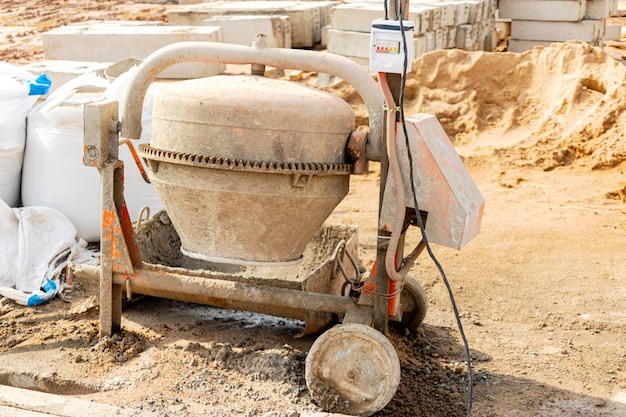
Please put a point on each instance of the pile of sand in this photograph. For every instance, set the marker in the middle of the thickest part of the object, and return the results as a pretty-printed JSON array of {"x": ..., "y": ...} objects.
[{"x": 547, "y": 107}]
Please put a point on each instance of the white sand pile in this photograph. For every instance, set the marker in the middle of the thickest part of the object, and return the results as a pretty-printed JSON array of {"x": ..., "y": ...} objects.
[{"x": 547, "y": 107}]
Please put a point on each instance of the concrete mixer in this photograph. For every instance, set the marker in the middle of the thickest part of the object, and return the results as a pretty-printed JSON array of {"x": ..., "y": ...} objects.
[{"x": 248, "y": 169}]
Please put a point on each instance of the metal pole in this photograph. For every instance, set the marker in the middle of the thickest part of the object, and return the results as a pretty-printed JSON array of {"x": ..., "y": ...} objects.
[{"x": 381, "y": 305}]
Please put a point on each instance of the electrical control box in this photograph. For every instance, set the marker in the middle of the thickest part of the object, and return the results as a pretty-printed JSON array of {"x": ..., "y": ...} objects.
[{"x": 387, "y": 45}]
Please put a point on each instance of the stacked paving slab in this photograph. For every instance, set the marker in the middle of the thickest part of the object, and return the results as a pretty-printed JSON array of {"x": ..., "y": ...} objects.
[
  {"x": 439, "y": 24},
  {"x": 95, "y": 46},
  {"x": 306, "y": 18},
  {"x": 342, "y": 27},
  {"x": 543, "y": 22}
]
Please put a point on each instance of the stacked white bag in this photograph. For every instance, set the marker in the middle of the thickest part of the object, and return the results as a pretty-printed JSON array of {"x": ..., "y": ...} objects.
[
  {"x": 15, "y": 103},
  {"x": 53, "y": 173}
]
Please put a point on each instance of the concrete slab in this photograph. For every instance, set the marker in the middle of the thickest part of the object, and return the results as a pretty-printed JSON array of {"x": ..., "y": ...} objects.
[
  {"x": 18, "y": 412},
  {"x": 490, "y": 40},
  {"x": 241, "y": 30},
  {"x": 461, "y": 15},
  {"x": 349, "y": 43},
  {"x": 448, "y": 14},
  {"x": 9, "y": 411},
  {"x": 26, "y": 403},
  {"x": 476, "y": 11},
  {"x": 326, "y": 9},
  {"x": 111, "y": 43},
  {"x": 420, "y": 45},
  {"x": 543, "y": 10},
  {"x": 429, "y": 39},
  {"x": 598, "y": 9},
  {"x": 423, "y": 15},
  {"x": 306, "y": 17},
  {"x": 358, "y": 17},
  {"x": 439, "y": 39},
  {"x": 518, "y": 45},
  {"x": 613, "y": 32},
  {"x": 450, "y": 41},
  {"x": 467, "y": 36},
  {"x": 447, "y": 11},
  {"x": 325, "y": 30},
  {"x": 435, "y": 16},
  {"x": 486, "y": 9},
  {"x": 88, "y": 23},
  {"x": 586, "y": 30}
]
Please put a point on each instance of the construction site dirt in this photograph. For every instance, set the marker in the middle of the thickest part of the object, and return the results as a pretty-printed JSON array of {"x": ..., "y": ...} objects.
[{"x": 540, "y": 291}]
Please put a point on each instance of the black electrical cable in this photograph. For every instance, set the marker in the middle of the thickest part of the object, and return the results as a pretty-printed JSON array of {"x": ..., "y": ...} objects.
[{"x": 399, "y": 14}]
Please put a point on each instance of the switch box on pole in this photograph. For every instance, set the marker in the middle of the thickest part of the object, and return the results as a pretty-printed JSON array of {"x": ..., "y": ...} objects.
[{"x": 387, "y": 46}]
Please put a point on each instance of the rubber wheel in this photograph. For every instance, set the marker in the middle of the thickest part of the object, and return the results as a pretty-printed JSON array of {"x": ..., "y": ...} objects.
[
  {"x": 414, "y": 305},
  {"x": 352, "y": 369}
]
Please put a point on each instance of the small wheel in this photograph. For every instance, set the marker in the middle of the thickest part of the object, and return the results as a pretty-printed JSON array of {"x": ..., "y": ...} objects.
[
  {"x": 414, "y": 305},
  {"x": 352, "y": 369}
]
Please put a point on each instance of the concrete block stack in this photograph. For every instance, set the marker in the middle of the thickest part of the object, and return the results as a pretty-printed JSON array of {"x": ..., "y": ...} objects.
[
  {"x": 439, "y": 24},
  {"x": 108, "y": 42},
  {"x": 542, "y": 22},
  {"x": 307, "y": 18},
  {"x": 241, "y": 30}
]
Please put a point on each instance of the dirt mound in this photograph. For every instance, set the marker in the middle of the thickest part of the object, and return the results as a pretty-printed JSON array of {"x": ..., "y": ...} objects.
[{"x": 547, "y": 107}]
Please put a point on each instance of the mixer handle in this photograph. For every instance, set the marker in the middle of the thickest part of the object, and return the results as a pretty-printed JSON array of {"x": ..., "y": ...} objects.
[{"x": 328, "y": 63}]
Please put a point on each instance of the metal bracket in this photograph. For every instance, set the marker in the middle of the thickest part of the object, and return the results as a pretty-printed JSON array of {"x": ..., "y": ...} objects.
[{"x": 101, "y": 130}]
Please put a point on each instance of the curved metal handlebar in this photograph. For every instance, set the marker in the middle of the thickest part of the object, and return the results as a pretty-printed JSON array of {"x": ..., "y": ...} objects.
[{"x": 304, "y": 60}]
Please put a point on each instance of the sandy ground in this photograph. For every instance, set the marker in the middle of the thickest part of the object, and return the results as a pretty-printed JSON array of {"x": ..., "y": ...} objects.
[{"x": 540, "y": 291}]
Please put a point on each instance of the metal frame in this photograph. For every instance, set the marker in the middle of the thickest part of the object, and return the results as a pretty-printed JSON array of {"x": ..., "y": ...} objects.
[{"x": 121, "y": 266}]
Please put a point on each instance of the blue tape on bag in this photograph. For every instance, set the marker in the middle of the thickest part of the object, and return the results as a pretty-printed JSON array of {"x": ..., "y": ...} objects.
[
  {"x": 40, "y": 86},
  {"x": 47, "y": 292}
]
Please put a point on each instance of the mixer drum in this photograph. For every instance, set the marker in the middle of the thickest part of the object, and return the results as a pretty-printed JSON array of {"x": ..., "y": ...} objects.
[{"x": 248, "y": 168}]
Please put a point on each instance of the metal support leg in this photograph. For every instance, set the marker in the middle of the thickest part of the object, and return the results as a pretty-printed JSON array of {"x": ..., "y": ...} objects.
[
  {"x": 117, "y": 256},
  {"x": 381, "y": 304},
  {"x": 119, "y": 251},
  {"x": 110, "y": 294}
]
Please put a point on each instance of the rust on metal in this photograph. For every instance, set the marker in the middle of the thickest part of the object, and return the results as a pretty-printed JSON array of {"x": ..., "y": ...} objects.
[
  {"x": 114, "y": 239},
  {"x": 110, "y": 235},
  {"x": 117, "y": 239},
  {"x": 135, "y": 156},
  {"x": 129, "y": 237},
  {"x": 357, "y": 142}
]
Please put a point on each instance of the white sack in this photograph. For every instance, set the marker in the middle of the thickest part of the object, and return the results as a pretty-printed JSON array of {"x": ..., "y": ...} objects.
[
  {"x": 36, "y": 243},
  {"x": 54, "y": 174},
  {"x": 14, "y": 106}
]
